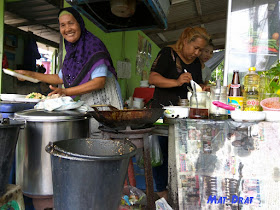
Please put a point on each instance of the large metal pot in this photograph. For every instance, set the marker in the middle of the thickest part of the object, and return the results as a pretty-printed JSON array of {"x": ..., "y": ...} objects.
[{"x": 33, "y": 164}]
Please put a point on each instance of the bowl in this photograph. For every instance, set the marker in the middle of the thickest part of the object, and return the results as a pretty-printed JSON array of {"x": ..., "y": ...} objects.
[
  {"x": 176, "y": 111},
  {"x": 247, "y": 116},
  {"x": 272, "y": 116},
  {"x": 271, "y": 104}
]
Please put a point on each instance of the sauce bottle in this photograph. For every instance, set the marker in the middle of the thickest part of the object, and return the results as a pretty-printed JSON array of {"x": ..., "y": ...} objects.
[{"x": 235, "y": 98}]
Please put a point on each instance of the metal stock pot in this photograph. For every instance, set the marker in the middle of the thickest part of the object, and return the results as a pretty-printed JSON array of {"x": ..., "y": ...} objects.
[{"x": 33, "y": 163}]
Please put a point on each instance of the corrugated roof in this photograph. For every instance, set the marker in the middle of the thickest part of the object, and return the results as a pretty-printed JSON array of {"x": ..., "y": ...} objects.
[{"x": 40, "y": 17}]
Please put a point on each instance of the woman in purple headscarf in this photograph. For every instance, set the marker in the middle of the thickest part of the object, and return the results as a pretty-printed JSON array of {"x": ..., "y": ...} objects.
[{"x": 87, "y": 69}]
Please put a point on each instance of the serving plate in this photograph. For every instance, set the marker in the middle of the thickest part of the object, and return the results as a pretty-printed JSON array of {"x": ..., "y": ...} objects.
[
  {"x": 17, "y": 98},
  {"x": 21, "y": 76}
]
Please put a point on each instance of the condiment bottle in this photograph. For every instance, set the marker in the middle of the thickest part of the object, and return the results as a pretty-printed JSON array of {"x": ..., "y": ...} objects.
[
  {"x": 235, "y": 98},
  {"x": 251, "y": 91}
]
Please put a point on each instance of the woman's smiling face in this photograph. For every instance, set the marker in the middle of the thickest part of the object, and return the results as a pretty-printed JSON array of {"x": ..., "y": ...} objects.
[{"x": 69, "y": 28}]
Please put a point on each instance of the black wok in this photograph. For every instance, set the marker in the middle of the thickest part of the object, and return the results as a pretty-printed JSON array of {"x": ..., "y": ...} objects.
[{"x": 120, "y": 119}]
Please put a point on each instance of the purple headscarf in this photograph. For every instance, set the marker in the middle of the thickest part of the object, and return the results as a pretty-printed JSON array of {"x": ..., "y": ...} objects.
[{"x": 83, "y": 56}]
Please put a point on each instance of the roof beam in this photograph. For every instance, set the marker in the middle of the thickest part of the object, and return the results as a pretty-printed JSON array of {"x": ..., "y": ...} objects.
[
  {"x": 190, "y": 22},
  {"x": 38, "y": 38}
]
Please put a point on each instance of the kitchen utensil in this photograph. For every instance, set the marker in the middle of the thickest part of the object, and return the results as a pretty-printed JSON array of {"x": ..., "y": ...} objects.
[
  {"x": 120, "y": 119},
  {"x": 189, "y": 89},
  {"x": 21, "y": 76},
  {"x": 194, "y": 84}
]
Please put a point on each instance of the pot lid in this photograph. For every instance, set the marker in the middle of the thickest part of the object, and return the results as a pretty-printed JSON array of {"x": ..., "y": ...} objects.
[{"x": 43, "y": 115}]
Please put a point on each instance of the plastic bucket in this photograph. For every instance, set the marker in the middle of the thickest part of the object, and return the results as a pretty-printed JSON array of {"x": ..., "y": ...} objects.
[
  {"x": 89, "y": 173},
  {"x": 8, "y": 139}
]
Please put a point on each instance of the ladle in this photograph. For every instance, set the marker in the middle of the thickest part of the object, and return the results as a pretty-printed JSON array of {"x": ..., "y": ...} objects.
[{"x": 193, "y": 83}]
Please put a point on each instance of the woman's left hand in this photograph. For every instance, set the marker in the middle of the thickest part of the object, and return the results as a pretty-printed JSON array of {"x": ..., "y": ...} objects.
[
  {"x": 56, "y": 90},
  {"x": 205, "y": 87}
]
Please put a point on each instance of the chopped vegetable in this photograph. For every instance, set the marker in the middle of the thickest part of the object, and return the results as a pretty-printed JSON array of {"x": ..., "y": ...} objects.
[{"x": 35, "y": 95}]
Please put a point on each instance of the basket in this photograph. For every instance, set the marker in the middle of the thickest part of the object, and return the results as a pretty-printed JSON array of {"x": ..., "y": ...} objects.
[{"x": 265, "y": 103}]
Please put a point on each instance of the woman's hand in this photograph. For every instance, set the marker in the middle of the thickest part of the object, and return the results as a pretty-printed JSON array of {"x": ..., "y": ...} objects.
[
  {"x": 24, "y": 72},
  {"x": 56, "y": 90},
  {"x": 184, "y": 78},
  {"x": 205, "y": 87}
]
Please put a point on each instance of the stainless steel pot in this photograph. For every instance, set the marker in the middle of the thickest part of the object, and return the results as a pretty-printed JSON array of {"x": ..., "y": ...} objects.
[{"x": 33, "y": 163}]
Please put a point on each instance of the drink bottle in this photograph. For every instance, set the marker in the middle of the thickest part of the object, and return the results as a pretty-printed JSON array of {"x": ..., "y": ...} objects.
[{"x": 251, "y": 100}]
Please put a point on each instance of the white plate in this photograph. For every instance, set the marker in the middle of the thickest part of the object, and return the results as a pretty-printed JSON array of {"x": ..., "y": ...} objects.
[
  {"x": 11, "y": 97},
  {"x": 17, "y": 98},
  {"x": 272, "y": 116},
  {"x": 27, "y": 100},
  {"x": 247, "y": 116},
  {"x": 21, "y": 76}
]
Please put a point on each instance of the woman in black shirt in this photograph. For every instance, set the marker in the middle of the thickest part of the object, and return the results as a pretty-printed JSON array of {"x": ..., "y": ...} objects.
[{"x": 171, "y": 81}]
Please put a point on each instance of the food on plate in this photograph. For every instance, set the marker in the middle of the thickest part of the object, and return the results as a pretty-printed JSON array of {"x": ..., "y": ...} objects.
[{"x": 35, "y": 95}]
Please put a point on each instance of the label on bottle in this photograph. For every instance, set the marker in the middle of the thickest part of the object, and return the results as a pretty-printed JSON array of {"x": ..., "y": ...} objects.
[
  {"x": 252, "y": 102},
  {"x": 235, "y": 85},
  {"x": 236, "y": 102}
]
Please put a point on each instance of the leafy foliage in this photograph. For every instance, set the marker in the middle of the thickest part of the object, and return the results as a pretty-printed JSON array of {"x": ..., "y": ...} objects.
[{"x": 270, "y": 79}]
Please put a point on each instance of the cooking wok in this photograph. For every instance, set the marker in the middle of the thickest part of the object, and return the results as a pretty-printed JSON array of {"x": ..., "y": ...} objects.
[{"x": 120, "y": 119}]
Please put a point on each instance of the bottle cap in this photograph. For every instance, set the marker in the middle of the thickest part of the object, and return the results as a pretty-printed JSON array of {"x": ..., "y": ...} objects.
[{"x": 252, "y": 69}]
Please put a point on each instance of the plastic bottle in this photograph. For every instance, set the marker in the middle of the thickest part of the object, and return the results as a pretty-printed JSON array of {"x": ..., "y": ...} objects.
[
  {"x": 251, "y": 91},
  {"x": 235, "y": 98}
]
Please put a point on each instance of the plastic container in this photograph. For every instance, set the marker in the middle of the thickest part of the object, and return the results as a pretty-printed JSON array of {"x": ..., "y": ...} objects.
[
  {"x": 251, "y": 97},
  {"x": 89, "y": 173}
]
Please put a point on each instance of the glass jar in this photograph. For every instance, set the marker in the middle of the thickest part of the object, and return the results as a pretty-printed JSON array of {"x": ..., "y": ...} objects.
[
  {"x": 218, "y": 94},
  {"x": 183, "y": 102},
  {"x": 199, "y": 105}
]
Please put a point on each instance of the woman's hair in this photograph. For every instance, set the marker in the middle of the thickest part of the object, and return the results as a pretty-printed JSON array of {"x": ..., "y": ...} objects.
[
  {"x": 210, "y": 43},
  {"x": 191, "y": 34}
]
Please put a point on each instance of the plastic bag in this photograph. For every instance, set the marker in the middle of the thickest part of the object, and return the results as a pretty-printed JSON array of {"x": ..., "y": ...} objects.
[
  {"x": 161, "y": 204},
  {"x": 155, "y": 151},
  {"x": 133, "y": 197}
]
